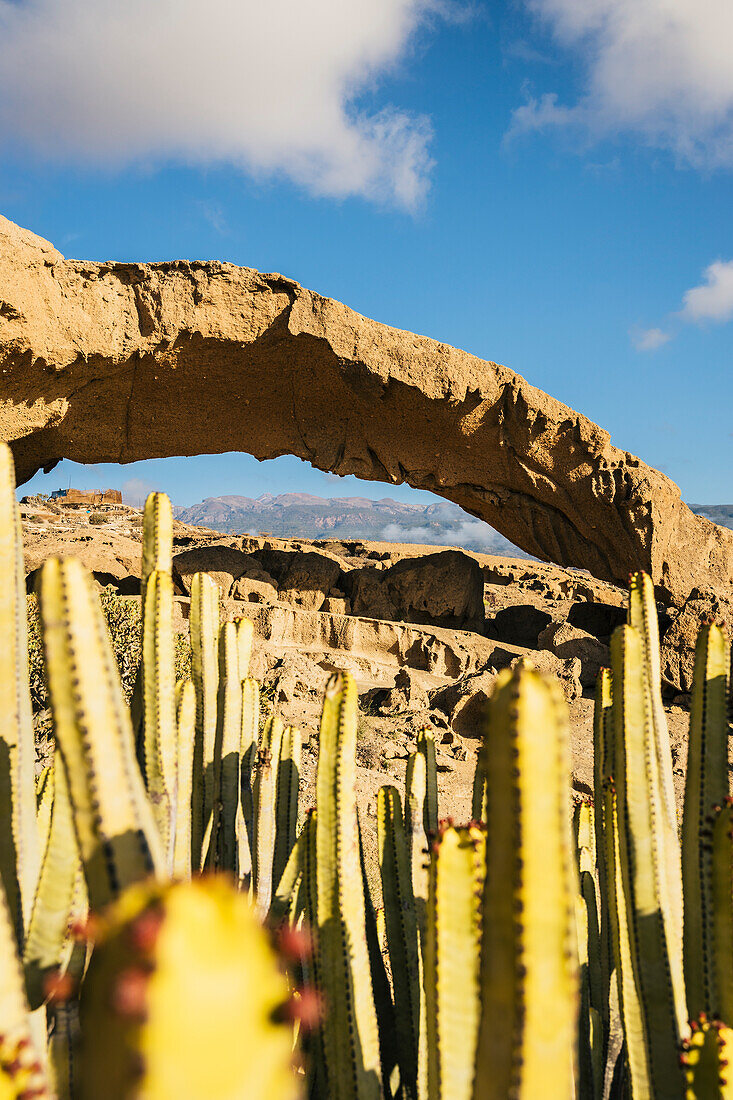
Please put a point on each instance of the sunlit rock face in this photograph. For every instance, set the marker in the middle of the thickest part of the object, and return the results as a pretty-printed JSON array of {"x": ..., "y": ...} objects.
[{"x": 116, "y": 362}]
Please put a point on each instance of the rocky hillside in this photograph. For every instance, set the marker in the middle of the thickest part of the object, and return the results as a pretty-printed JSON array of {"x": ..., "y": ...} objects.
[{"x": 302, "y": 515}]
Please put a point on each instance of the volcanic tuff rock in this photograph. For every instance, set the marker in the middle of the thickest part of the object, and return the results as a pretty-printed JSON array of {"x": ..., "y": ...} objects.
[{"x": 117, "y": 362}]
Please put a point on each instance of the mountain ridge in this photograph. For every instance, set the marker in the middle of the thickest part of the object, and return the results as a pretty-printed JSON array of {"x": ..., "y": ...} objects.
[{"x": 305, "y": 515}]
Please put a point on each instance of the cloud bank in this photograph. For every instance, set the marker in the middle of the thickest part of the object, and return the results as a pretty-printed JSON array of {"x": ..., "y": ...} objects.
[
  {"x": 268, "y": 87},
  {"x": 658, "y": 68}
]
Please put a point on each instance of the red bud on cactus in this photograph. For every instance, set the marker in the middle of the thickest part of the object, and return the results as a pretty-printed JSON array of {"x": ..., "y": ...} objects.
[{"x": 57, "y": 987}]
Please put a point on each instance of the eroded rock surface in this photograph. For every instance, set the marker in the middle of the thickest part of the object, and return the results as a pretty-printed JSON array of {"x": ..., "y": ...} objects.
[{"x": 117, "y": 362}]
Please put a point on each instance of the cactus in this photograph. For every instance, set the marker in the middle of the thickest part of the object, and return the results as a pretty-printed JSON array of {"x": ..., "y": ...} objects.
[
  {"x": 265, "y": 821},
  {"x": 204, "y": 637},
  {"x": 706, "y": 787},
  {"x": 642, "y": 617},
  {"x": 529, "y": 973},
  {"x": 721, "y": 940},
  {"x": 159, "y": 712},
  {"x": 118, "y": 840},
  {"x": 401, "y": 930},
  {"x": 453, "y": 961},
  {"x": 55, "y": 891},
  {"x": 185, "y": 738},
  {"x": 286, "y": 807},
  {"x": 181, "y": 999},
  {"x": 706, "y": 1060},
  {"x": 21, "y": 1073},
  {"x": 643, "y": 866},
  {"x": 349, "y": 1033},
  {"x": 229, "y": 729},
  {"x": 19, "y": 847},
  {"x": 426, "y": 746}
]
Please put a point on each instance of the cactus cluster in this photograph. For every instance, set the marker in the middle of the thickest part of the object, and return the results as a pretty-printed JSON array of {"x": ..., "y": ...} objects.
[{"x": 173, "y": 925}]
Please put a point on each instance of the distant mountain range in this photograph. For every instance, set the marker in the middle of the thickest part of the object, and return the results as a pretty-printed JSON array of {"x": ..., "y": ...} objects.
[
  {"x": 301, "y": 515},
  {"x": 718, "y": 513}
]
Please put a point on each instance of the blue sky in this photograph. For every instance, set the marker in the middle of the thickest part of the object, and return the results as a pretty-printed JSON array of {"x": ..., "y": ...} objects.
[{"x": 533, "y": 181}]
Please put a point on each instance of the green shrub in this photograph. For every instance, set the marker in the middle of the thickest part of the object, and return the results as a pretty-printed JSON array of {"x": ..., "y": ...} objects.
[
  {"x": 124, "y": 621},
  {"x": 98, "y": 517}
]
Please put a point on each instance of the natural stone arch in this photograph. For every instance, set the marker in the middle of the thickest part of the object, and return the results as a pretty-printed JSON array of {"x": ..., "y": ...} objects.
[{"x": 118, "y": 362}]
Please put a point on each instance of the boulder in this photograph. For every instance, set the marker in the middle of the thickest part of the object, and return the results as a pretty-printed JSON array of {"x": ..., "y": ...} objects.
[
  {"x": 222, "y": 562},
  {"x": 444, "y": 589},
  {"x": 308, "y": 579},
  {"x": 336, "y": 605},
  {"x": 113, "y": 362},
  {"x": 407, "y": 694},
  {"x": 519, "y": 624},
  {"x": 568, "y": 642},
  {"x": 254, "y": 585},
  {"x": 294, "y": 676},
  {"x": 567, "y": 670},
  {"x": 464, "y": 702}
]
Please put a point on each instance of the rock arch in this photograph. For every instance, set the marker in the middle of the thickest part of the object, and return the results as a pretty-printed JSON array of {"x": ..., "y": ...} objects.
[{"x": 118, "y": 362}]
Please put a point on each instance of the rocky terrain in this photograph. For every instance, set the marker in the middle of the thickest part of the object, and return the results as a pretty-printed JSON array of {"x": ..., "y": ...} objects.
[{"x": 423, "y": 629}]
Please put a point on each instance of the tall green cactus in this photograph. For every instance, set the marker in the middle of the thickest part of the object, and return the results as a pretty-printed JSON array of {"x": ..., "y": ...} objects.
[
  {"x": 204, "y": 621},
  {"x": 643, "y": 618},
  {"x": 55, "y": 891},
  {"x": 159, "y": 713},
  {"x": 720, "y": 947},
  {"x": 402, "y": 931},
  {"x": 19, "y": 847},
  {"x": 265, "y": 817},
  {"x": 229, "y": 729},
  {"x": 643, "y": 838},
  {"x": 706, "y": 787},
  {"x": 118, "y": 840},
  {"x": 529, "y": 973},
  {"x": 426, "y": 746},
  {"x": 185, "y": 737},
  {"x": 286, "y": 808},
  {"x": 349, "y": 1033}
]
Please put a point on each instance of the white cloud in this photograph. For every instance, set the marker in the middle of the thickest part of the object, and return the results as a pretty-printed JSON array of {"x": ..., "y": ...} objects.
[
  {"x": 649, "y": 339},
  {"x": 471, "y": 534},
  {"x": 269, "y": 87},
  {"x": 660, "y": 68},
  {"x": 713, "y": 300},
  {"x": 135, "y": 490}
]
